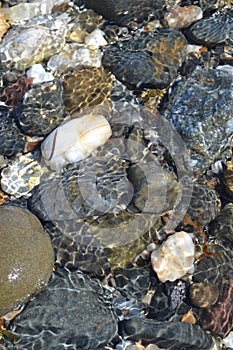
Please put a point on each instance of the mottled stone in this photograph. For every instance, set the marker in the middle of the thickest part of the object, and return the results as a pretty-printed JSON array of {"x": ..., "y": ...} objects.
[
  {"x": 35, "y": 40},
  {"x": 203, "y": 294},
  {"x": 42, "y": 109},
  {"x": 4, "y": 26},
  {"x": 28, "y": 257},
  {"x": 123, "y": 12},
  {"x": 74, "y": 311},
  {"x": 12, "y": 140},
  {"x": 171, "y": 335},
  {"x": 182, "y": 17},
  {"x": 149, "y": 59},
  {"x": 201, "y": 111},
  {"x": 13, "y": 93},
  {"x": 75, "y": 56}
]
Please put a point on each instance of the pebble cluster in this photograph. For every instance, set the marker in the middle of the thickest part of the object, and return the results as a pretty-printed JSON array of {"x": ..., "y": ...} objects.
[{"x": 116, "y": 192}]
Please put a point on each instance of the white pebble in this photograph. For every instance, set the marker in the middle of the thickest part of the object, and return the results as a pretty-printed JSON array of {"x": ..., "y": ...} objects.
[
  {"x": 75, "y": 140},
  {"x": 174, "y": 258},
  {"x": 39, "y": 75}
]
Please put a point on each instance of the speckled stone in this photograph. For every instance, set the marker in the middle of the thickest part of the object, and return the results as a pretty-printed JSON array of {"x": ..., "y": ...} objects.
[
  {"x": 201, "y": 111},
  {"x": 74, "y": 312},
  {"x": 149, "y": 59},
  {"x": 28, "y": 257}
]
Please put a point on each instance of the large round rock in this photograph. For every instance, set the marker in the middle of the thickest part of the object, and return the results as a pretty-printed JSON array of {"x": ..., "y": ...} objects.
[{"x": 26, "y": 257}]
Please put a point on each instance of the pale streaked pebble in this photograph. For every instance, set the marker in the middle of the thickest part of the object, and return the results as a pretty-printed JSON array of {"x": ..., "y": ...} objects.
[{"x": 75, "y": 140}]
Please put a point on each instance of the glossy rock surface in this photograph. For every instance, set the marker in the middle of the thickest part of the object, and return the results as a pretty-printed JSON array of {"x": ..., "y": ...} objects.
[
  {"x": 12, "y": 140},
  {"x": 88, "y": 320},
  {"x": 123, "y": 13},
  {"x": 149, "y": 59},
  {"x": 200, "y": 110},
  {"x": 172, "y": 335}
]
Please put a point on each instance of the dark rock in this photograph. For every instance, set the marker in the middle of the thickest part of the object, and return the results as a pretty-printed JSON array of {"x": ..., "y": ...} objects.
[
  {"x": 169, "y": 335},
  {"x": 124, "y": 12},
  {"x": 72, "y": 312},
  {"x": 201, "y": 111},
  {"x": 42, "y": 109},
  {"x": 12, "y": 141},
  {"x": 147, "y": 59}
]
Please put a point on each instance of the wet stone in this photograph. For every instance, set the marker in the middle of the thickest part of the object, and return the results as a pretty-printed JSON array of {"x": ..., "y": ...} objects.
[
  {"x": 35, "y": 40},
  {"x": 86, "y": 88},
  {"x": 149, "y": 59},
  {"x": 88, "y": 308},
  {"x": 171, "y": 335},
  {"x": 132, "y": 282},
  {"x": 123, "y": 12},
  {"x": 221, "y": 228},
  {"x": 217, "y": 29},
  {"x": 200, "y": 110},
  {"x": 12, "y": 140},
  {"x": 28, "y": 257},
  {"x": 21, "y": 175},
  {"x": 214, "y": 269},
  {"x": 42, "y": 109},
  {"x": 219, "y": 318},
  {"x": 204, "y": 204},
  {"x": 72, "y": 255},
  {"x": 81, "y": 193}
]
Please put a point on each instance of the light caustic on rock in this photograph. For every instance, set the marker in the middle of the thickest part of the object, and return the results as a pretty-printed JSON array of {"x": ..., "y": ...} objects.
[{"x": 92, "y": 173}]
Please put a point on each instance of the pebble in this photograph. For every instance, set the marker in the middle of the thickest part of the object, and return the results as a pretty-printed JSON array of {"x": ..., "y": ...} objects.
[
  {"x": 21, "y": 12},
  {"x": 149, "y": 59},
  {"x": 75, "y": 56},
  {"x": 37, "y": 39},
  {"x": 42, "y": 109},
  {"x": 171, "y": 335},
  {"x": 221, "y": 228},
  {"x": 12, "y": 140},
  {"x": 200, "y": 110},
  {"x": 174, "y": 258},
  {"x": 21, "y": 175},
  {"x": 123, "y": 13},
  {"x": 75, "y": 140},
  {"x": 182, "y": 17},
  {"x": 39, "y": 74},
  {"x": 213, "y": 30},
  {"x": 28, "y": 257},
  {"x": 4, "y": 26},
  {"x": 87, "y": 321},
  {"x": 86, "y": 88}
]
